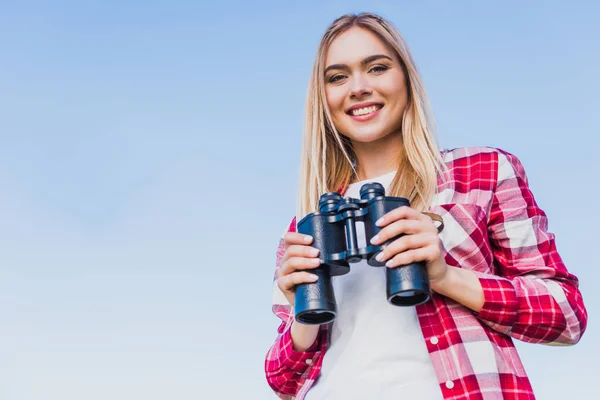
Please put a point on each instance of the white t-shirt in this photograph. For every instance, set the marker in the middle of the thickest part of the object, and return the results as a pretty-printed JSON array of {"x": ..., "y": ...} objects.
[{"x": 377, "y": 350}]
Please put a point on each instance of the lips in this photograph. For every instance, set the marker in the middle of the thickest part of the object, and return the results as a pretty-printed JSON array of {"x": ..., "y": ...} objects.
[{"x": 360, "y": 110}]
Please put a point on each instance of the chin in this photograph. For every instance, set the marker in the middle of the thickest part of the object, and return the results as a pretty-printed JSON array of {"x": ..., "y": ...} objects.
[{"x": 365, "y": 136}]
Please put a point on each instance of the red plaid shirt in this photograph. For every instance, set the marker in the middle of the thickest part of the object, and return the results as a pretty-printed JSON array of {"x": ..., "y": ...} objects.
[{"x": 493, "y": 227}]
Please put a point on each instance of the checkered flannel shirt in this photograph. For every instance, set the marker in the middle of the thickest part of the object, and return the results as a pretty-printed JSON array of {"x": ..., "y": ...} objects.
[{"x": 493, "y": 227}]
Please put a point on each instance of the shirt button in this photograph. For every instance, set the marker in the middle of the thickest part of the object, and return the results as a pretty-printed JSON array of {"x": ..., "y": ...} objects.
[
  {"x": 308, "y": 361},
  {"x": 434, "y": 340},
  {"x": 449, "y": 384}
]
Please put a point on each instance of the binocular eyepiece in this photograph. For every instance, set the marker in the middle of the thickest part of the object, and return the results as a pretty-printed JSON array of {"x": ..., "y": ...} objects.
[{"x": 333, "y": 229}]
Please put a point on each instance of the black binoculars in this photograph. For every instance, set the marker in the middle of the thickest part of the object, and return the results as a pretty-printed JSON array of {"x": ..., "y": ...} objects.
[{"x": 333, "y": 229}]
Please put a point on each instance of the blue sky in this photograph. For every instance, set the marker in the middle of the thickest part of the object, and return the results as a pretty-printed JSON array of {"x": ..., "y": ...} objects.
[{"x": 148, "y": 164}]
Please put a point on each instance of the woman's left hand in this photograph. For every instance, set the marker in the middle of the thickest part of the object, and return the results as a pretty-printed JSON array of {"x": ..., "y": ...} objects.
[{"x": 419, "y": 243}]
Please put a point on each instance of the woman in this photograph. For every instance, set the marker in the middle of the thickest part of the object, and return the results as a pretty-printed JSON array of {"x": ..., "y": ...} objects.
[{"x": 494, "y": 270}]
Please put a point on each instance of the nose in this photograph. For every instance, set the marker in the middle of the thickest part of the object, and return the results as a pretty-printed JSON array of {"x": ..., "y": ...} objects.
[{"x": 360, "y": 87}]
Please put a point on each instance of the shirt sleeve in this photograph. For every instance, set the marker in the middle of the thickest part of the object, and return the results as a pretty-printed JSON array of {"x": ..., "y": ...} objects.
[
  {"x": 286, "y": 369},
  {"x": 532, "y": 297}
]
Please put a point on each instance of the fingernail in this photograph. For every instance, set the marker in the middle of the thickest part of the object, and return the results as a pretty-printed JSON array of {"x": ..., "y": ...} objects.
[
  {"x": 379, "y": 256},
  {"x": 374, "y": 239},
  {"x": 307, "y": 239},
  {"x": 390, "y": 263},
  {"x": 315, "y": 261},
  {"x": 379, "y": 221},
  {"x": 314, "y": 252},
  {"x": 314, "y": 277}
]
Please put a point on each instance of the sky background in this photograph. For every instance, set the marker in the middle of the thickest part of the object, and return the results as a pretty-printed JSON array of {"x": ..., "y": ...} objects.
[{"x": 149, "y": 154}]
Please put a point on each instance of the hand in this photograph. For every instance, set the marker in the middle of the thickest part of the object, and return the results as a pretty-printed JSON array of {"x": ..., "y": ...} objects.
[
  {"x": 298, "y": 256},
  {"x": 419, "y": 243}
]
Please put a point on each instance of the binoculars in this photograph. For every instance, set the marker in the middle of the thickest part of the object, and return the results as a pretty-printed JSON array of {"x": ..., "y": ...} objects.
[{"x": 333, "y": 229}]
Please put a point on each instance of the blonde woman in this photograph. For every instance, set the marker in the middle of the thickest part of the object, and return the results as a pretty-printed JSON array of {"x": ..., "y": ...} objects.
[{"x": 494, "y": 270}]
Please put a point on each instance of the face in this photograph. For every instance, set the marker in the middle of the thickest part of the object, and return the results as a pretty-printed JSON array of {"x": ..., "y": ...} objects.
[{"x": 365, "y": 86}]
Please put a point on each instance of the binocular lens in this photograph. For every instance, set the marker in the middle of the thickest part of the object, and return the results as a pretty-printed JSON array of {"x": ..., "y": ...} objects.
[
  {"x": 407, "y": 285},
  {"x": 371, "y": 190},
  {"x": 315, "y": 302},
  {"x": 329, "y": 202},
  {"x": 409, "y": 298},
  {"x": 316, "y": 317}
]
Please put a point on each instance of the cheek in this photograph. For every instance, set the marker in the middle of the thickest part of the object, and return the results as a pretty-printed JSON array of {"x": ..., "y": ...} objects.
[
  {"x": 335, "y": 100},
  {"x": 397, "y": 93}
]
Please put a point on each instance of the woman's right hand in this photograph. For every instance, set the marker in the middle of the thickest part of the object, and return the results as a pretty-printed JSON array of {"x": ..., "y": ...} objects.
[{"x": 299, "y": 256}]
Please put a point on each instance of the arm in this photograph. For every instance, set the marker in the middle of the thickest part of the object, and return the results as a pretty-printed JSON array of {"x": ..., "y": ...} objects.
[
  {"x": 532, "y": 297},
  {"x": 290, "y": 357}
]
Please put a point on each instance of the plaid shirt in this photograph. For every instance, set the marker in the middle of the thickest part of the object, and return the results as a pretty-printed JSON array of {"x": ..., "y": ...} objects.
[{"x": 493, "y": 227}]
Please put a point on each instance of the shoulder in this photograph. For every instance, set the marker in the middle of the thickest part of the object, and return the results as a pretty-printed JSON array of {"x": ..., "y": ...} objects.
[
  {"x": 481, "y": 156},
  {"x": 481, "y": 167},
  {"x": 470, "y": 155}
]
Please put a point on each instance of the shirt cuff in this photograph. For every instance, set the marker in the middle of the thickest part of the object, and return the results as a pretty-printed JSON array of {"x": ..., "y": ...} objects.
[
  {"x": 501, "y": 303},
  {"x": 298, "y": 361}
]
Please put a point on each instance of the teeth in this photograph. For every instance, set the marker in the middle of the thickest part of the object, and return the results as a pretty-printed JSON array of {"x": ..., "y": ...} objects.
[{"x": 364, "y": 111}]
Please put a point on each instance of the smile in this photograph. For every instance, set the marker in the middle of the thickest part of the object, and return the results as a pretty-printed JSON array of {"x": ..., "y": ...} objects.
[
  {"x": 365, "y": 110},
  {"x": 363, "y": 113}
]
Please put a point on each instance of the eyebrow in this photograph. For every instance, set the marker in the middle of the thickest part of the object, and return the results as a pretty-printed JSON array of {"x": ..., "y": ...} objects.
[{"x": 365, "y": 61}]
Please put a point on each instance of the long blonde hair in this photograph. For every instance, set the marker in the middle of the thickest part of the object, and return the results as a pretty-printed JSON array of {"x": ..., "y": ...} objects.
[{"x": 327, "y": 159}]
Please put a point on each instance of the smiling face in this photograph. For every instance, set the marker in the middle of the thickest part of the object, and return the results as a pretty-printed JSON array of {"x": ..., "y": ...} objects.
[{"x": 365, "y": 86}]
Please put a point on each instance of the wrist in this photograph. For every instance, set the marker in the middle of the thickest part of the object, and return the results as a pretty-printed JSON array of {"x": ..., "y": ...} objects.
[
  {"x": 443, "y": 284},
  {"x": 303, "y": 336},
  {"x": 462, "y": 286}
]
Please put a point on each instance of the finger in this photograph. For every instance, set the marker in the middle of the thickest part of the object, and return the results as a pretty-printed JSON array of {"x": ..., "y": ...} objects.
[
  {"x": 405, "y": 243},
  {"x": 297, "y": 250},
  {"x": 298, "y": 263},
  {"x": 288, "y": 282},
  {"x": 406, "y": 226},
  {"x": 403, "y": 212},
  {"x": 291, "y": 238},
  {"x": 411, "y": 256},
  {"x": 437, "y": 220}
]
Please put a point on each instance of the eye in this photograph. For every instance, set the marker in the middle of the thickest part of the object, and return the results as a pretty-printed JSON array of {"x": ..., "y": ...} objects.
[
  {"x": 378, "y": 68},
  {"x": 335, "y": 78}
]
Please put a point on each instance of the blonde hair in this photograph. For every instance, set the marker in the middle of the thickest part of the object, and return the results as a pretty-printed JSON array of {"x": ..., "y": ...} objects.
[{"x": 327, "y": 159}]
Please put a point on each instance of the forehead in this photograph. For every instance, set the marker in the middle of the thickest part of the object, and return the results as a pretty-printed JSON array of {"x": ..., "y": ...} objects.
[{"x": 356, "y": 44}]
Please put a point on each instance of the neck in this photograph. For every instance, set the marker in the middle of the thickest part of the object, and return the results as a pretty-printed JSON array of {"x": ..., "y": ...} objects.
[{"x": 378, "y": 158}]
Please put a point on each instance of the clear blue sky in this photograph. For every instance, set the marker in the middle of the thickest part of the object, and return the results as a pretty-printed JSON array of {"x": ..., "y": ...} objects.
[{"x": 148, "y": 164}]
